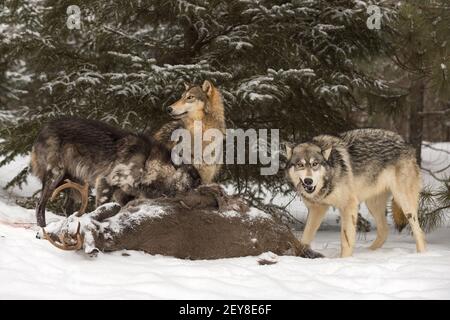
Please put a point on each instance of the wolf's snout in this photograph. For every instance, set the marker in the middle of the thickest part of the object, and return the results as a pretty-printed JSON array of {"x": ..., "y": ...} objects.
[
  {"x": 308, "y": 185},
  {"x": 169, "y": 109}
]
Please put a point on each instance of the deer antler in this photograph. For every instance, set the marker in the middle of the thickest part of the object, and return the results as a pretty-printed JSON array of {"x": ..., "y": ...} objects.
[
  {"x": 66, "y": 243},
  {"x": 82, "y": 189}
]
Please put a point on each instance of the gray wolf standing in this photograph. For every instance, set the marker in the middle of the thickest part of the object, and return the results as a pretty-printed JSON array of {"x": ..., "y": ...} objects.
[
  {"x": 197, "y": 103},
  {"x": 364, "y": 165}
]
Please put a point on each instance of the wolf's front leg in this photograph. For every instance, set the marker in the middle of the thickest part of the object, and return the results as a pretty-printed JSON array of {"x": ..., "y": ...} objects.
[
  {"x": 316, "y": 213},
  {"x": 104, "y": 192},
  {"x": 349, "y": 216}
]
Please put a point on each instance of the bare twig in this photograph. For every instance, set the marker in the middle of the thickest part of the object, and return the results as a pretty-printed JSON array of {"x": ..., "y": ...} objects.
[
  {"x": 432, "y": 173},
  {"x": 435, "y": 113},
  {"x": 429, "y": 146}
]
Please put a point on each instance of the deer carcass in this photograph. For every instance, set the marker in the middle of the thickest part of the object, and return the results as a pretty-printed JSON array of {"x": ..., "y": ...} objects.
[{"x": 204, "y": 223}]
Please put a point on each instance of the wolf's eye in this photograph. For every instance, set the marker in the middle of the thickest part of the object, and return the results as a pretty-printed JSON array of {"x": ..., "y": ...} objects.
[
  {"x": 315, "y": 164},
  {"x": 299, "y": 166},
  {"x": 190, "y": 98}
]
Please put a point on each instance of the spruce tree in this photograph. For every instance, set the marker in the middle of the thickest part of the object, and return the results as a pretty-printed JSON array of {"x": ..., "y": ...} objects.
[{"x": 292, "y": 65}]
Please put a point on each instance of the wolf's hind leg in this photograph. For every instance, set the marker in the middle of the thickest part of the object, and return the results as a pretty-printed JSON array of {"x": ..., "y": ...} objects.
[
  {"x": 72, "y": 198},
  {"x": 50, "y": 183},
  {"x": 104, "y": 192},
  {"x": 377, "y": 207},
  {"x": 406, "y": 192}
]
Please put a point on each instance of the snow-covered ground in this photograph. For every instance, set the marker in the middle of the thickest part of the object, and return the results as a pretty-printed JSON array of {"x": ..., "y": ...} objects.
[{"x": 32, "y": 268}]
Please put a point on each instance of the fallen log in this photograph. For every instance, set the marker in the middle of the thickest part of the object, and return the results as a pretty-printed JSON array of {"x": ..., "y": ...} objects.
[{"x": 204, "y": 223}]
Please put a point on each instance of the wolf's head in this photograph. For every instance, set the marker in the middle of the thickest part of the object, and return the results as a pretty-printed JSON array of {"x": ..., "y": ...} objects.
[
  {"x": 194, "y": 102},
  {"x": 307, "y": 167},
  {"x": 164, "y": 178}
]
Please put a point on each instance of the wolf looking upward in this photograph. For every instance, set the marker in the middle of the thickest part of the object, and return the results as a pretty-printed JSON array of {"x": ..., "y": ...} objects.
[{"x": 197, "y": 103}]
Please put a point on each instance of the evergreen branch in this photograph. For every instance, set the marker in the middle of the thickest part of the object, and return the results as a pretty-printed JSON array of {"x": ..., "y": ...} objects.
[
  {"x": 122, "y": 34},
  {"x": 19, "y": 179}
]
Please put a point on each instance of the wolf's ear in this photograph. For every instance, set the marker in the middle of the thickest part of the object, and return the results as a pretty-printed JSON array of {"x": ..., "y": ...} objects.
[
  {"x": 207, "y": 87},
  {"x": 186, "y": 85},
  {"x": 326, "y": 153},
  {"x": 288, "y": 152}
]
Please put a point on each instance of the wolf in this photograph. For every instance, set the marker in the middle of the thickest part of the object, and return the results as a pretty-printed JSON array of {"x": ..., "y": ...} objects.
[
  {"x": 118, "y": 163},
  {"x": 363, "y": 165},
  {"x": 198, "y": 103}
]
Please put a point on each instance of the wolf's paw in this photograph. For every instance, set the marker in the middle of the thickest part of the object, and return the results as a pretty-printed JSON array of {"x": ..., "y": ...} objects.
[{"x": 309, "y": 253}]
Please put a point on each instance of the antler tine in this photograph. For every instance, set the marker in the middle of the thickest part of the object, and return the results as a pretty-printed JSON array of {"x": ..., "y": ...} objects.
[
  {"x": 62, "y": 244},
  {"x": 82, "y": 189}
]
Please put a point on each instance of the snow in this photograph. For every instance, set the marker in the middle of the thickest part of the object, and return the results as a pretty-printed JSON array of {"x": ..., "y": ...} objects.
[
  {"x": 117, "y": 224},
  {"x": 126, "y": 56},
  {"x": 253, "y": 213},
  {"x": 436, "y": 161},
  {"x": 257, "y": 96},
  {"x": 32, "y": 268}
]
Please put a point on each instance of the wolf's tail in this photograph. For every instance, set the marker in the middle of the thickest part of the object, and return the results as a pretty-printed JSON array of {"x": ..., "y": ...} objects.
[
  {"x": 400, "y": 220},
  {"x": 35, "y": 168}
]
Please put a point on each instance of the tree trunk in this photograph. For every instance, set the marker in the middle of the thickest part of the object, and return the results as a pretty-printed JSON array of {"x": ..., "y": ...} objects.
[
  {"x": 448, "y": 131},
  {"x": 447, "y": 126},
  {"x": 417, "y": 105}
]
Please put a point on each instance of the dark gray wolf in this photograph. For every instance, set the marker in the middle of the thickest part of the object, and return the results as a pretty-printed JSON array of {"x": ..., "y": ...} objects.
[
  {"x": 116, "y": 162},
  {"x": 364, "y": 165},
  {"x": 197, "y": 103}
]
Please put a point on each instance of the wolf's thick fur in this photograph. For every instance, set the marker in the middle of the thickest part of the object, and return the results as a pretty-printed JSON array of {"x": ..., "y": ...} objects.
[
  {"x": 364, "y": 165},
  {"x": 196, "y": 104},
  {"x": 116, "y": 162}
]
